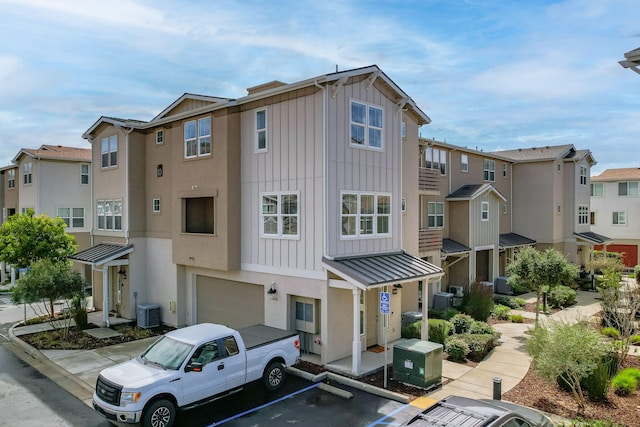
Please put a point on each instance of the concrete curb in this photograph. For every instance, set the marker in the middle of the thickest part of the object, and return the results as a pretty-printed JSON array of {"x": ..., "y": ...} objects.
[
  {"x": 368, "y": 388},
  {"x": 37, "y": 354}
]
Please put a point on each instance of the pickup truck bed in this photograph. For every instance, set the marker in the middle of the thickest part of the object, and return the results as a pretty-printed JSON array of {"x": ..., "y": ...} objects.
[{"x": 259, "y": 335}]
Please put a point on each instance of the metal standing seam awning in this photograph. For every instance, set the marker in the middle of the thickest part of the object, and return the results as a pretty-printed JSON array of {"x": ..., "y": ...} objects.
[
  {"x": 514, "y": 240},
  {"x": 456, "y": 250},
  {"x": 593, "y": 238},
  {"x": 375, "y": 271},
  {"x": 101, "y": 255}
]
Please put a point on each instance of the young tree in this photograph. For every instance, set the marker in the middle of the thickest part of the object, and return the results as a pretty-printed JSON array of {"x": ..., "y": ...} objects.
[
  {"x": 567, "y": 351},
  {"x": 47, "y": 281},
  {"x": 534, "y": 270},
  {"x": 25, "y": 238}
]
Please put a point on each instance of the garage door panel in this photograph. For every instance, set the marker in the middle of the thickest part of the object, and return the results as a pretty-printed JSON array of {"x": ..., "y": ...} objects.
[{"x": 234, "y": 304}]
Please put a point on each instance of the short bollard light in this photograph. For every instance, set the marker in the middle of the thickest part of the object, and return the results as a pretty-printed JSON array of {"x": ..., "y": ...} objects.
[{"x": 497, "y": 388}]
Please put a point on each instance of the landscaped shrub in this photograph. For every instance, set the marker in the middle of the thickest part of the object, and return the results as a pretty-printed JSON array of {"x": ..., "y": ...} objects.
[
  {"x": 561, "y": 296},
  {"x": 514, "y": 303},
  {"x": 516, "y": 318},
  {"x": 519, "y": 302},
  {"x": 412, "y": 330},
  {"x": 479, "y": 345},
  {"x": 631, "y": 372},
  {"x": 636, "y": 273},
  {"x": 501, "y": 311},
  {"x": 439, "y": 330},
  {"x": 478, "y": 301},
  {"x": 478, "y": 327},
  {"x": 450, "y": 313},
  {"x": 624, "y": 385},
  {"x": 461, "y": 323},
  {"x": 597, "y": 382},
  {"x": 456, "y": 348},
  {"x": 610, "y": 332},
  {"x": 635, "y": 339}
]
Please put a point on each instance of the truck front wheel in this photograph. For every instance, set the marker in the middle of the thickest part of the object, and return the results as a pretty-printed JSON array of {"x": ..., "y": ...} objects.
[
  {"x": 273, "y": 376},
  {"x": 161, "y": 413}
]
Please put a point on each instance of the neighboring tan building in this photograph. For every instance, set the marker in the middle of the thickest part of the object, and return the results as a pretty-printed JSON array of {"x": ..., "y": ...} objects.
[
  {"x": 9, "y": 200},
  {"x": 615, "y": 211},
  {"x": 551, "y": 199},
  {"x": 281, "y": 207}
]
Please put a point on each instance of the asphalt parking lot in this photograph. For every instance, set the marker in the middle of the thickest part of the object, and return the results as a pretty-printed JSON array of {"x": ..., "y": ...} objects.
[{"x": 299, "y": 402}]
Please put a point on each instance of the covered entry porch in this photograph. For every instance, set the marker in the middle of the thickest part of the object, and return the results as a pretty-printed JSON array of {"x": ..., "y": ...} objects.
[{"x": 365, "y": 277}]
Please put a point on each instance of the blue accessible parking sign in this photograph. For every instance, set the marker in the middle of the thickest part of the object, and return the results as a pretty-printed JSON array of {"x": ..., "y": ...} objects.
[{"x": 384, "y": 302}]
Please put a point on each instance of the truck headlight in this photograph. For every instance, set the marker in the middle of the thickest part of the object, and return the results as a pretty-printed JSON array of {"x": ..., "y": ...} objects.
[{"x": 127, "y": 398}]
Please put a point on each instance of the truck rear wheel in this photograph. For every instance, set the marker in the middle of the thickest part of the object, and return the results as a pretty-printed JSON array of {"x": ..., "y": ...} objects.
[
  {"x": 273, "y": 376},
  {"x": 161, "y": 413}
]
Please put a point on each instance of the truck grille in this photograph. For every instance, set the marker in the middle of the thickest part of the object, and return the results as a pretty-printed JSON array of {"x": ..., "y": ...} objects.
[{"x": 107, "y": 391}]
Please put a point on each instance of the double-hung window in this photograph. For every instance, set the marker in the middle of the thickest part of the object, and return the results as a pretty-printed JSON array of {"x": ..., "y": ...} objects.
[
  {"x": 197, "y": 138},
  {"x": 73, "y": 217},
  {"x": 27, "y": 170},
  {"x": 155, "y": 205},
  {"x": 436, "y": 214},
  {"x": 109, "y": 214},
  {"x": 583, "y": 214},
  {"x": 484, "y": 211},
  {"x": 434, "y": 158},
  {"x": 365, "y": 214},
  {"x": 261, "y": 130},
  {"x": 279, "y": 215},
  {"x": 597, "y": 189},
  {"x": 464, "y": 163},
  {"x": 366, "y": 125},
  {"x": 619, "y": 218},
  {"x": 160, "y": 137},
  {"x": 84, "y": 174},
  {"x": 583, "y": 175},
  {"x": 11, "y": 178},
  {"x": 109, "y": 151},
  {"x": 489, "y": 170},
  {"x": 628, "y": 188}
]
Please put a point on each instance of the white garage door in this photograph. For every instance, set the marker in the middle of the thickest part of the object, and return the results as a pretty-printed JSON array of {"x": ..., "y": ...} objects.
[{"x": 234, "y": 304}]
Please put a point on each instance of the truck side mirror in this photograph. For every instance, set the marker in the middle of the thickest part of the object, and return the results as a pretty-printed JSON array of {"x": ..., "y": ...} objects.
[{"x": 194, "y": 366}]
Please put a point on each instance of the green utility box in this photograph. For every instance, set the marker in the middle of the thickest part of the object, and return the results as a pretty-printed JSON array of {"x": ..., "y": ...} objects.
[{"x": 418, "y": 363}]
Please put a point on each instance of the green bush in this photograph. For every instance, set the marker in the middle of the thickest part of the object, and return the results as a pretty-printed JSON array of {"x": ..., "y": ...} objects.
[
  {"x": 439, "y": 330},
  {"x": 561, "y": 296},
  {"x": 598, "y": 381},
  {"x": 501, "y": 311},
  {"x": 514, "y": 303},
  {"x": 478, "y": 301},
  {"x": 636, "y": 273},
  {"x": 413, "y": 330},
  {"x": 632, "y": 372},
  {"x": 450, "y": 313},
  {"x": 461, "y": 323},
  {"x": 479, "y": 345},
  {"x": 624, "y": 385},
  {"x": 635, "y": 339},
  {"x": 610, "y": 332},
  {"x": 478, "y": 327},
  {"x": 456, "y": 348},
  {"x": 516, "y": 318}
]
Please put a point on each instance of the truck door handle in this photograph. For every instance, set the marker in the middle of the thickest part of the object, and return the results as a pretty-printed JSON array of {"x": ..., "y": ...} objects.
[{"x": 221, "y": 367}]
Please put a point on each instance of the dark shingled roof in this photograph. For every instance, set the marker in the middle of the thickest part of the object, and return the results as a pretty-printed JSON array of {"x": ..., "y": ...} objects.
[
  {"x": 594, "y": 238},
  {"x": 377, "y": 270},
  {"x": 101, "y": 253},
  {"x": 510, "y": 240},
  {"x": 450, "y": 247}
]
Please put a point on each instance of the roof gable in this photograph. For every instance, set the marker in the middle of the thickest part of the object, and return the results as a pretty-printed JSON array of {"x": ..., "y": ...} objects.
[
  {"x": 621, "y": 174},
  {"x": 55, "y": 152},
  {"x": 536, "y": 154},
  {"x": 470, "y": 192},
  {"x": 189, "y": 102}
]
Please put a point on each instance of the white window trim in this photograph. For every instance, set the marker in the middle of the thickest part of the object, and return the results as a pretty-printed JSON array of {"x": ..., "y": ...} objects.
[
  {"x": 71, "y": 217},
  {"x": 628, "y": 193},
  {"x": 594, "y": 185},
  {"x": 27, "y": 173},
  {"x": 279, "y": 215},
  {"x": 159, "y": 136},
  {"x": 403, "y": 207},
  {"x": 11, "y": 179},
  {"x": 435, "y": 215},
  {"x": 583, "y": 214},
  {"x": 504, "y": 170},
  {"x": 439, "y": 164},
  {"x": 153, "y": 205},
  {"x": 619, "y": 224},
  {"x": 489, "y": 174},
  {"x": 88, "y": 174},
  {"x": 584, "y": 178},
  {"x": 464, "y": 163},
  {"x": 366, "y": 125},
  {"x": 113, "y": 216},
  {"x": 109, "y": 151},
  {"x": 261, "y": 130},
  {"x": 358, "y": 214},
  {"x": 484, "y": 209},
  {"x": 198, "y": 138}
]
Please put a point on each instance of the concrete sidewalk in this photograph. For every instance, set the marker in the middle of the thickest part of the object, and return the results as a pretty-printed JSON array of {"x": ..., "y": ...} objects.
[{"x": 77, "y": 370}]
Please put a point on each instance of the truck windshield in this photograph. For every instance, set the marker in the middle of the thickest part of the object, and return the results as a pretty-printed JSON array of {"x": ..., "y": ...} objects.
[{"x": 167, "y": 353}]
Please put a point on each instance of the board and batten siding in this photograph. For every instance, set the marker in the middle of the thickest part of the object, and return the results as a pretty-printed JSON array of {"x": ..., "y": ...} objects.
[
  {"x": 485, "y": 233},
  {"x": 292, "y": 163},
  {"x": 359, "y": 169}
]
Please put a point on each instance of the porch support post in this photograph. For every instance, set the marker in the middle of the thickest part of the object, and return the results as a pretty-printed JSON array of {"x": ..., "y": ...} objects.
[
  {"x": 424, "y": 327},
  {"x": 356, "y": 349},
  {"x": 105, "y": 296}
]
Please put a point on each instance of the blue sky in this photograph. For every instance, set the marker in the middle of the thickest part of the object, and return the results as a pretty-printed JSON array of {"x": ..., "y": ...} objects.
[{"x": 491, "y": 74}]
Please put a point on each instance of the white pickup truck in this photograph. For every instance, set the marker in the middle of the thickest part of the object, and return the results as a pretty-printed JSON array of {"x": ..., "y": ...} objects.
[{"x": 192, "y": 366}]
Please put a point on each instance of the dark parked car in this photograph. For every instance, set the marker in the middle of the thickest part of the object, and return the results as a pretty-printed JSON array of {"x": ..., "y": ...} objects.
[{"x": 465, "y": 412}]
